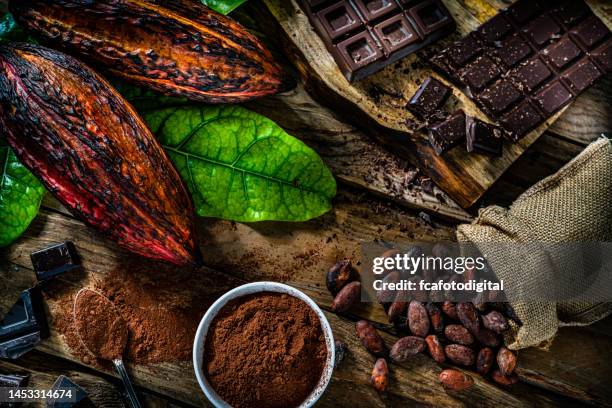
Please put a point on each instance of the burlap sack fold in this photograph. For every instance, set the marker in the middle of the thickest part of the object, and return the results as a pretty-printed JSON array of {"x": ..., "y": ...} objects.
[{"x": 573, "y": 205}]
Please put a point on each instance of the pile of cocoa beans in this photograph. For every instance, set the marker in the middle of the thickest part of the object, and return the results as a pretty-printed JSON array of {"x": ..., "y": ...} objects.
[{"x": 465, "y": 334}]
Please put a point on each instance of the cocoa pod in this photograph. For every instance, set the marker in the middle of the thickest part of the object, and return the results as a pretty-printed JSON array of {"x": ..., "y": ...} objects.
[
  {"x": 339, "y": 276},
  {"x": 380, "y": 375},
  {"x": 460, "y": 354},
  {"x": 484, "y": 360},
  {"x": 418, "y": 319},
  {"x": 458, "y": 334},
  {"x": 396, "y": 309},
  {"x": 347, "y": 297},
  {"x": 94, "y": 153},
  {"x": 436, "y": 351},
  {"x": 341, "y": 349},
  {"x": 388, "y": 295},
  {"x": 455, "y": 380},
  {"x": 370, "y": 338},
  {"x": 506, "y": 360},
  {"x": 487, "y": 337},
  {"x": 435, "y": 317},
  {"x": 469, "y": 317},
  {"x": 450, "y": 309},
  {"x": 495, "y": 321},
  {"x": 406, "y": 347},
  {"x": 501, "y": 379},
  {"x": 177, "y": 47}
]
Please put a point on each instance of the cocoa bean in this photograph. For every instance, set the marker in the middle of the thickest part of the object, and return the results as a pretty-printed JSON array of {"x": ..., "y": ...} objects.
[
  {"x": 469, "y": 317},
  {"x": 406, "y": 347},
  {"x": 435, "y": 348},
  {"x": 418, "y": 319},
  {"x": 506, "y": 360},
  {"x": 341, "y": 350},
  {"x": 480, "y": 302},
  {"x": 380, "y": 375},
  {"x": 455, "y": 380},
  {"x": 459, "y": 354},
  {"x": 347, "y": 297},
  {"x": 396, "y": 309},
  {"x": 495, "y": 321},
  {"x": 458, "y": 334},
  {"x": 484, "y": 360},
  {"x": 488, "y": 337},
  {"x": 450, "y": 309},
  {"x": 435, "y": 317},
  {"x": 469, "y": 274},
  {"x": 370, "y": 338},
  {"x": 339, "y": 276},
  {"x": 387, "y": 295},
  {"x": 501, "y": 379}
]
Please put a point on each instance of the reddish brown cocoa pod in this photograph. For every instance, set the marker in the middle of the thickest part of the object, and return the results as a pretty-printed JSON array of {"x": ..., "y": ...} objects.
[
  {"x": 340, "y": 275},
  {"x": 469, "y": 317},
  {"x": 459, "y": 354},
  {"x": 435, "y": 348},
  {"x": 450, "y": 309},
  {"x": 406, "y": 347},
  {"x": 388, "y": 295},
  {"x": 488, "y": 337},
  {"x": 380, "y": 375},
  {"x": 347, "y": 297},
  {"x": 495, "y": 321},
  {"x": 455, "y": 380},
  {"x": 435, "y": 317},
  {"x": 418, "y": 319},
  {"x": 484, "y": 360},
  {"x": 370, "y": 338},
  {"x": 501, "y": 379},
  {"x": 506, "y": 360},
  {"x": 396, "y": 309},
  {"x": 458, "y": 334}
]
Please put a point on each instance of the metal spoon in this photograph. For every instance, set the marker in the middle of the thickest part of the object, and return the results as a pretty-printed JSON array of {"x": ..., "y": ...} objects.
[{"x": 117, "y": 330}]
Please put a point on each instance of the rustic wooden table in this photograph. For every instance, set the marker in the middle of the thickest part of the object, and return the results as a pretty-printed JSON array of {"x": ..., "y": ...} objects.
[{"x": 380, "y": 198}]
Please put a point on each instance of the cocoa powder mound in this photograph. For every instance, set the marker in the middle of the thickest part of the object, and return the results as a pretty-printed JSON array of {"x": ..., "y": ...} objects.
[{"x": 265, "y": 350}]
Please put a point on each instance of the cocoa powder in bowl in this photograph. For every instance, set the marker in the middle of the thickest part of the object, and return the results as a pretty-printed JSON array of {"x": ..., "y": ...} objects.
[{"x": 265, "y": 350}]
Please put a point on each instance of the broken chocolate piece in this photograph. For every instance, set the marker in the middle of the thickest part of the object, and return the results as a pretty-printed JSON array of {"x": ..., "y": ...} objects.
[
  {"x": 14, "y": 380},
  {"x": 429, "y": 98},
  {"x": 447, "y": 134},
  {"x": 482, "y": 137},
  {"x": 55, "y": 260},
  {"x": 78, "y": 397}
]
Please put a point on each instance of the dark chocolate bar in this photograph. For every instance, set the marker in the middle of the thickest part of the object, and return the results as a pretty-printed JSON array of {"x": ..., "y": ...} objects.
[
  {"x": 526, "y": 63},
  {"x": 429, "y": 98},
  {"x": 55, "y": 260},
  {"x": 483, "y": 137},
  {"x": 14, "y": 380},
  {"x": 78, "y": 396},
  {"x": 449, "y": 133},
  {"x": 365, "y": 36}
]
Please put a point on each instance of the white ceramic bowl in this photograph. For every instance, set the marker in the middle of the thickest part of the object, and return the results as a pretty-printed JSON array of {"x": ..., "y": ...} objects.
[{"x": 248, "y": 289}]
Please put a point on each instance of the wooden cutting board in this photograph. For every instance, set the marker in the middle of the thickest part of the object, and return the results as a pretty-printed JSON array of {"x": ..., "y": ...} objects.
[{"x": 378, "y": 102}]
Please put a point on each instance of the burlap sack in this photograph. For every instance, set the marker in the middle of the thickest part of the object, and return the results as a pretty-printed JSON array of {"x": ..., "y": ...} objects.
[{"x": 573, "y": 205}]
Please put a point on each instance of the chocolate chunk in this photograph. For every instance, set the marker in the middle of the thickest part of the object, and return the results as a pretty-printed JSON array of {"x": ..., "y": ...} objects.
[
  {"x": 55, "y": 260},
  {"x": 590, "y": 32},
  {"x": 532, "y": 73},
  {"x": 582, "y": 75},
  {"x": 13, "y": 380},
  {"x": 500, "y": 95},
  {"x": 553, "y": 97},
  {"x": 429, "y": 98},
  {"x": 464, "y": 50},
  {"x": 447, "y": 134},
  {"x": 603, "y": 56},
  {"x": 480, "y": 73},
  {"x": 495, "y": 28},
  {"x": 542, "y": 29},
  {"x": 570, "y": 12},
  {"x": 79, "y": 395},
  {"x": 523, "y": 10},
  {"x": 364, "y": 36},
  {"x": 520, "y": 120},
  {"x": 562, "y": 52},
  {"x": 482, "y": 137},
  {"x": 513, "y": 50}
]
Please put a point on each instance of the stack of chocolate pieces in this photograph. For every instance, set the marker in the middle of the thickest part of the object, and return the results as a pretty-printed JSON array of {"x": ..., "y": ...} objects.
[
  {"x": 448, "y": 131},
  {"x": 365, "y": 36},
  {"x": 529, "y": 61}
]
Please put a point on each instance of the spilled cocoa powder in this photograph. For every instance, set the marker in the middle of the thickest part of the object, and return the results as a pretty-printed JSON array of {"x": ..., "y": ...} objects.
[
  {"x": 99, "y": 326},
  {"x": 265, "y": 350}
]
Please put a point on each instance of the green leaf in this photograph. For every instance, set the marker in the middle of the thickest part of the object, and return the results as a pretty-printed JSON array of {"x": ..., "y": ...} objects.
[
  {"x": 20, "y": 196},
  {"x": 223, "y": 6},
  {"x": 241, "y": 166}
]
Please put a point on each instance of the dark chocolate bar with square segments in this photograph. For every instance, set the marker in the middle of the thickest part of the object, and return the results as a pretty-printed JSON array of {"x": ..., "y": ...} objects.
[
  {"x": 483, "y": 137},
  {"x": 429, "y": 98},
  {"x": 55, "y": 260},
  {"x": 449, "y": 133},
  {"x": 529, "y": 61},
  {"x": 364, "y": 36}
]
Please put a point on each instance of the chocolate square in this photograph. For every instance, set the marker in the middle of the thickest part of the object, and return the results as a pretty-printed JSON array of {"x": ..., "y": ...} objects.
[
  {"x": 447, "y": 134},
  {"x": 373, "y": 9},
  {"x": 495, "y": 28},
  {"x": 500, "y": 95},
  {"x": 581, "y": 75},
  {"x": 483, "y": 137},
  {"x": 570, "y": 12},
  {"x": 603, "y": 56},
  {"x": 480, "y": 73},
  {"x": 562, "y": 52},
  {"x": 553, "y": 97},
  {"x": 55, "y": 260},
  {"x": 464, "y": 50},
  {"x": 523, "y": 10},
  {"x": 339, "y": 19},
  {"x": 590, "y": 32},
  {"x": 513, "y": 50},
  {"x": 430, "y": 16},
  {"x": 396, "y": 33},
  {"x": 429, "y": 98},
  {"x": 359, "y": 50},
  {"x": 542, "y": 29},
  {"x": 532, "y": 73}
]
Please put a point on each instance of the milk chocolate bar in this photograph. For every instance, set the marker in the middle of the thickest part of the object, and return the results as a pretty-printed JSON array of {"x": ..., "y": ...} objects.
[
  {"x": 529, "y": 61},
  {"x": 365, "y": 36}
]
